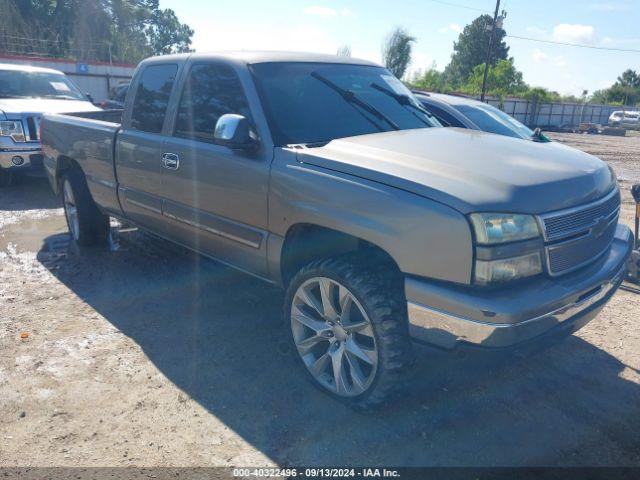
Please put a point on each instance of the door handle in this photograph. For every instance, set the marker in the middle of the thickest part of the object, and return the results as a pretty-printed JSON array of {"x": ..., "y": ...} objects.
[{"x": 170, "y": 161}]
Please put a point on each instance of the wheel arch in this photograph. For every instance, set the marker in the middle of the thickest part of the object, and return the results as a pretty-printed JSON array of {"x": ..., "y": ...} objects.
[
  {"x": 306, "y": 242},
  {"x": 64, "y": 164}
]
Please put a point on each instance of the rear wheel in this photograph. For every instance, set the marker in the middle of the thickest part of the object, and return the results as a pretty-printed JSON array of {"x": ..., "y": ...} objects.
[
  {"x": 349, "y": 330},
  {"x": 87, "y": 224}
]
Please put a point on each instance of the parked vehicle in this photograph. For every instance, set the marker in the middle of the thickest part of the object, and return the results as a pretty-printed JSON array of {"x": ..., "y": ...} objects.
[
  {"x": 117, "y": 101},
  {"x": 322, "y": 174},
  {"x": 462, "y": 112},
  {"x": 25, "y": 93},
  {"x": 625, "y": 119}
]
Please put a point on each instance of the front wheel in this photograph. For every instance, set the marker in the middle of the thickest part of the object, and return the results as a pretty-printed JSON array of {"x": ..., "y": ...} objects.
[
  {"x": 88, "y": 226},
  {"x": 350, "y": 331}
]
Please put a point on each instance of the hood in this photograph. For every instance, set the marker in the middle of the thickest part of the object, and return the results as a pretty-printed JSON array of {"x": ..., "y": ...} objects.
[
  {"x": 469, "y": 170},
  {"x": 18, "y": 106}
]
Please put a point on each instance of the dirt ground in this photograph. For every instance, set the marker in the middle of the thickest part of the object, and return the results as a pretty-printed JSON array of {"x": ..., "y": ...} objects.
[{"x": 145, "y": 355}]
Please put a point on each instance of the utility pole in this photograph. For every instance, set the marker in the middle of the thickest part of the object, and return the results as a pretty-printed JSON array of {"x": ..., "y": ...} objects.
[
  {"x": 488, "y": 61},
  {"x": 584, "y": 100}
]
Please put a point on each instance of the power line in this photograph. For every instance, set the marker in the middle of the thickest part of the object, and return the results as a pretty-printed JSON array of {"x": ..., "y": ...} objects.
[
  {"x": 459, "y": 6},
  {"x": 518, "y": 37},
  {"x": 594, "y": 47}
]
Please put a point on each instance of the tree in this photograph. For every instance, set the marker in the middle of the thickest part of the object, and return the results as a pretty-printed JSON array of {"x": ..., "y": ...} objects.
[
  {"x": 472, "y": 47},
  {"x": 167, "y": 35},
  {"x": 502, "y": 79},
  {"x": 129, "y": 20},
  {"x": 570, "y": 98},
  {"x": 625, "y": 91},
  {"x": 629, "y": 78},
  {"x": 430, "y": 80},
  {"x": 118, "y": 30},
  {"x": 623, "y": 94},
  {"x": 538, "y": 95},
  {"x": 344, "y": 51},
  {"x": 89, "y": 23},
  {"x": 396, "y": 51}
]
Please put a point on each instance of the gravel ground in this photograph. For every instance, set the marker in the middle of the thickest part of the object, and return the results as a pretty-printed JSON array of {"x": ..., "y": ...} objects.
[{"x": 145, "y": 355}]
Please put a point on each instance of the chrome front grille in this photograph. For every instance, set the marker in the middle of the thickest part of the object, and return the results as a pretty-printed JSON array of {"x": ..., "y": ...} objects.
[
  {"x": 568, "y": 255},
  {"x": 561, "y": 225},
  {"x": 33, "y": 128},
  {"x": 578, "y": 236}
]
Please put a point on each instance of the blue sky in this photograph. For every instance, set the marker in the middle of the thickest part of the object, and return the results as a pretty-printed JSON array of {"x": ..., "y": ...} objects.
[{"x": 324, "y": 25}]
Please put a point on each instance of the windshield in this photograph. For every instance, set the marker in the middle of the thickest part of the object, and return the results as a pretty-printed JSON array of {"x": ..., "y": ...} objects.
[
  {"x": 18, "y": 84},
  {"x": 490, "y": 119},
  {"x": 318, "y": 102}
]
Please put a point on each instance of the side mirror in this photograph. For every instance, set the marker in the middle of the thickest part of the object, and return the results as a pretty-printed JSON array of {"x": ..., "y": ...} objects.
[
  {"x": 89, "y": 97},
  {"x": 233, "y": 131}
]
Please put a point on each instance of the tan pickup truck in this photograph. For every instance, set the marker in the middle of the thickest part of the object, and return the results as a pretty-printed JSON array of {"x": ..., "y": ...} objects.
[{"x": 324, "y": 175}]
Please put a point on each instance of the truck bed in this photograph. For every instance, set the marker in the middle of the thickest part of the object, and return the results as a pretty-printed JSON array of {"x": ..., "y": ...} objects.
[
  {"x": 89, "y": 139},
  {"x": 110, "y": 116}
]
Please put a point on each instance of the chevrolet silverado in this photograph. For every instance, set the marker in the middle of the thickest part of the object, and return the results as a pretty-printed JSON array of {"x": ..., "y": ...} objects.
[{"x": 324, "y": 175}]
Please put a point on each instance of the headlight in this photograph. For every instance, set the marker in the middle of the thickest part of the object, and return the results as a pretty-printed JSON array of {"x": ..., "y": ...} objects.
[
  {"x": 12, "y": 129},
  {"x": 492, "y": 228},
  {"x": 494, "y": 271},
  {"x": 508, "y": 247}
]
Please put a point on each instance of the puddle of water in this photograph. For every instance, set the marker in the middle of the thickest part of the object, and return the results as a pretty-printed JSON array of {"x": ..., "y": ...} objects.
[{"x": 28, "y": 235}]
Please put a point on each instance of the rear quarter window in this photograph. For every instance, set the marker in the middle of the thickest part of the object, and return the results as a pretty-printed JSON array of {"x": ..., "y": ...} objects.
[{"x": 152, "y": 97}]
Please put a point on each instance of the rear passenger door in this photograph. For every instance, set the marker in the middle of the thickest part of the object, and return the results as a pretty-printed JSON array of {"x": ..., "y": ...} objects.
[
  {"x": 215, "y": 197},
  {"x": 139, "y": 146}
]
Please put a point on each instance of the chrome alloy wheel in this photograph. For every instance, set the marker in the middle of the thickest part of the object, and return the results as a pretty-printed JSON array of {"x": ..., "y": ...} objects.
[
  {"x": 71, "y": 210},
  {"x": 334, "y": 336}
]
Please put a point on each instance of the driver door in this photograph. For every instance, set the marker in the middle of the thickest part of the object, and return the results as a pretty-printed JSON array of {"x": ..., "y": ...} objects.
[{"x": 215, "y": 198}]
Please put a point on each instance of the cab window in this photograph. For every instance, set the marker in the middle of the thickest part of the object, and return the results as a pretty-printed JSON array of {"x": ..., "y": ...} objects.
[
  {"x": 152, "y": 98},
  {"x": 210, "y": 91}
]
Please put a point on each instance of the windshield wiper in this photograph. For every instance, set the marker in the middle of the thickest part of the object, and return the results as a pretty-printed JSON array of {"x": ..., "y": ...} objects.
[
  {"x": 405, "y": 101},
  {"x": 353, "y": 99}
]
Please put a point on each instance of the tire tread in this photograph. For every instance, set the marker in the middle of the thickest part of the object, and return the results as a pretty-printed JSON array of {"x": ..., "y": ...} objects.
[
  {"x": 380, "y": 293},
  {"x": 92, "y": 223}
]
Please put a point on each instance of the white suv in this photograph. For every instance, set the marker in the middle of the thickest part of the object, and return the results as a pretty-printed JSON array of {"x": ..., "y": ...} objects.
[{"x": 626, "y": 119}]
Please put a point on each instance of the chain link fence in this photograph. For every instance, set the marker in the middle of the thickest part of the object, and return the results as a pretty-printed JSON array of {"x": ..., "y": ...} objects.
[
  {"x": 52, "y": 48},
  {"x": 558, "y": 115}
]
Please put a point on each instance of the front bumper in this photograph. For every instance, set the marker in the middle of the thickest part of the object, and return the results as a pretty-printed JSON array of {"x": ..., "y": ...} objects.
[
  {"x": 446, "y": 316},
  {"x": 31, "y": 158}
]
